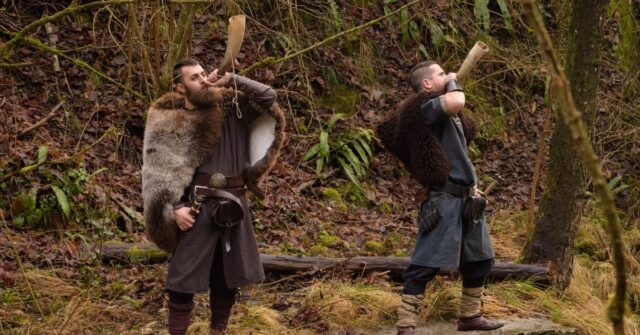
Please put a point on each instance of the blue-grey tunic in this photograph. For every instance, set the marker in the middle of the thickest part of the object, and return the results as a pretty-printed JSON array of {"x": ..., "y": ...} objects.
[{"x": 446, "y": 245}]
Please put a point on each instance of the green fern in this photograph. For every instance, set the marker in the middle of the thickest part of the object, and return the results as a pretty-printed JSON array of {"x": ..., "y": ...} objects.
[{"x": 351, "y": 150}]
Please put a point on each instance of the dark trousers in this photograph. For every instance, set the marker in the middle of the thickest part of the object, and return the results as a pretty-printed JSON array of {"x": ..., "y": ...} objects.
[
  {"x": 219, "y": 292},
  {"x": 473, "y": 275}
]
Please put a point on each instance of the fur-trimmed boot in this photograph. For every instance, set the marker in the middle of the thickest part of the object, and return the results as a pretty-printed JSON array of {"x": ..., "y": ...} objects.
[
  {"x": 469, "y": 315},
  {"x": 408, "y": 313},
  {"x": 179, "y": 318}
]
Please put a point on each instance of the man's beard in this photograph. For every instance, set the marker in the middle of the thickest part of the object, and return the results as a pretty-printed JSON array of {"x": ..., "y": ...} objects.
[{"x": 200, "y": 98}]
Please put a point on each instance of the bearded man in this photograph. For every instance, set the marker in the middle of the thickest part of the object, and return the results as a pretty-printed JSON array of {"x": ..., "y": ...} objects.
[
  {"x": 204, "y": 145},
  {"x": 429, "y": 133}
]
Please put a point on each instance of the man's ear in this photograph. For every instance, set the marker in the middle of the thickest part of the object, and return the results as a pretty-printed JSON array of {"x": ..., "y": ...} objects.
[
  {"x": 180, "y": 87},
  {"x": 426, "y": 84}
]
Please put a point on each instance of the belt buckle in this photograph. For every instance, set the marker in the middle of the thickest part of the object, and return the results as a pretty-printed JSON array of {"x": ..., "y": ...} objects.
[
  {"x": 195, "y": 191},
  {"x": 218, "y": 180}
]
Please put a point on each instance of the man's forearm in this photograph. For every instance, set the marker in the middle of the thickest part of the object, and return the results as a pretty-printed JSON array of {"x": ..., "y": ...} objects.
[
  {"x": 453, "y": 101},
  {"x": 262, "y": 94}
]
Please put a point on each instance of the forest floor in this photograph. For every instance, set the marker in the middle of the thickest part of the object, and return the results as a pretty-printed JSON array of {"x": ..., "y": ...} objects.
[
  {"x": 52, "y": 280},
  {"x": 63, "y": 288}
]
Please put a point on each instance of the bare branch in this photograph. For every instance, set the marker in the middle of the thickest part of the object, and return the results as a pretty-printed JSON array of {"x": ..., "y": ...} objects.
[
  {"x": 44, "y": 120},
  {"x": 273, "y": 60}
]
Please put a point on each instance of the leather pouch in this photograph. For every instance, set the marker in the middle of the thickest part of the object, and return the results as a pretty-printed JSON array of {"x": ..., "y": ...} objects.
[
  {"x": 428, "y": 218},
  {"x": 473, "y": 209},
  {"x": 226, "y": 212}
]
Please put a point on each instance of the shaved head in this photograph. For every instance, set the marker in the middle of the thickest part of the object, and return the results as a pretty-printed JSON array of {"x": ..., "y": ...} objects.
[{"x": 420, "y": 72}]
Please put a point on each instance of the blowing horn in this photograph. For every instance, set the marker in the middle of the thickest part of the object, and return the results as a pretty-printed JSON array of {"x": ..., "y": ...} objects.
[{"x": 478, "y": 51}]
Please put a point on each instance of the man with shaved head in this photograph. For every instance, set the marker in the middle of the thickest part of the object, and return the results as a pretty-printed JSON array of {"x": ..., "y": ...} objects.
[{"x": 429, "y": 133}]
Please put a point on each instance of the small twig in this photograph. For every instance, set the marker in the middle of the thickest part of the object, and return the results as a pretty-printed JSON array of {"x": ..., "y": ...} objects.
[
  {"x": 15, "y": 65},
  {"x": 44, "y": 120}
]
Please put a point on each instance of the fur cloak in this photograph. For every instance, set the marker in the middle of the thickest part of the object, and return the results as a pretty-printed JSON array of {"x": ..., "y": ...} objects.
[
  {"x": 406, "y": 135},
  {"x": 177, "y": 141}
]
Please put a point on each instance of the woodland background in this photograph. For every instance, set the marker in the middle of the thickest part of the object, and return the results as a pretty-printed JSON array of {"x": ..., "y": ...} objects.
[{"x": 73, "y": 95}]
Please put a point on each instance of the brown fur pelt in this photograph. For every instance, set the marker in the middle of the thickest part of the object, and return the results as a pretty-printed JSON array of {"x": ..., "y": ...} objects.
[
  {"x": 176, "y": 142},
  {"x": 406, "y": 134}
]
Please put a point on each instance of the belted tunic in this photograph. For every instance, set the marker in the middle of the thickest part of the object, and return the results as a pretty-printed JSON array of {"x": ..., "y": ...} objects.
[{"x": 227, "y": 153}]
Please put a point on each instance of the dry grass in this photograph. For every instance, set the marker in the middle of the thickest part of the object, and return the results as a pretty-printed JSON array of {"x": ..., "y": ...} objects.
[
  {"x": 353, "y": 305},
  {"x": 508, "y": 233},
  {"x": 47, "y": 304}
]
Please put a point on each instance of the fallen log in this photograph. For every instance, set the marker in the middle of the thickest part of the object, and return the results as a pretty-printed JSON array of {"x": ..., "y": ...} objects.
[{"x": 285, "y": 265}]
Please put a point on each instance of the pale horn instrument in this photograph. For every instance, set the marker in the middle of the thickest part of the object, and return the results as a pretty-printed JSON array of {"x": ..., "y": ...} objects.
[
  {"x": 234, "y": 42},
  {"x": 474, "y": 55}
]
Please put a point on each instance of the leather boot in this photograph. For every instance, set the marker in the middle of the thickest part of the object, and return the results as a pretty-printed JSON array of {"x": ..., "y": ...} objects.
[
  {"x": 477, "y": 322},
  {"x": 217, "y": 332},
  {"x": 469, "y": 314},
  {"x": 179, "y": 318}
]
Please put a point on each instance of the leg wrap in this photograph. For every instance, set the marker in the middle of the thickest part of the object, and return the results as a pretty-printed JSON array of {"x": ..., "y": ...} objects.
[
  {"x": 179, "y": 317},
  {"x": 470, "y": 301},
  {"x": 408, "y": 310},
  {"x": 221, "y": 305}
]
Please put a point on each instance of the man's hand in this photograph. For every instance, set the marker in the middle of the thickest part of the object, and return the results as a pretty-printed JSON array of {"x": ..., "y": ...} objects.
[
  {"x": 215, "y": 81},
  {"x": 183, "y": 218},
  {"x": 478, "y": 193},
  {"x": 451, "y": 75}
]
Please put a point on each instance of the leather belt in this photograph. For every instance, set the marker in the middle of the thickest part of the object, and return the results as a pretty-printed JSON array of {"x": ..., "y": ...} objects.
[
  {"x": 456, "y": 190},
  {"x": 232, "y": 193},
  {"x": 220, "y": 181}
]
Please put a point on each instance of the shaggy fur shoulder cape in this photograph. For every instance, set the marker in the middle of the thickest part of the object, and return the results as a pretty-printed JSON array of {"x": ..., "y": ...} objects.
[
  {"x": 176, "y": 142},
  {"x": 406, "y": 134}
]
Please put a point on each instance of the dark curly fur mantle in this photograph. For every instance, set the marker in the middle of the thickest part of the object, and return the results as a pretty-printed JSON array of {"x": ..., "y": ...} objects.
[
  {"x": 176, "y": 142},
  {"x": 406, "y": 134}
]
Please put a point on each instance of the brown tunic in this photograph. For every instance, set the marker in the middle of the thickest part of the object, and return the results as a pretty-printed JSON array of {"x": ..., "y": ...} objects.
[{"x": 190, "y": 265}]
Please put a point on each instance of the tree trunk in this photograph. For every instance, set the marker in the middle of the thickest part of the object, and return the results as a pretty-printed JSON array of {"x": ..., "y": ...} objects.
[
  {"x": 557, "y": 220},
  {"x": 284, "y": 265}
]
